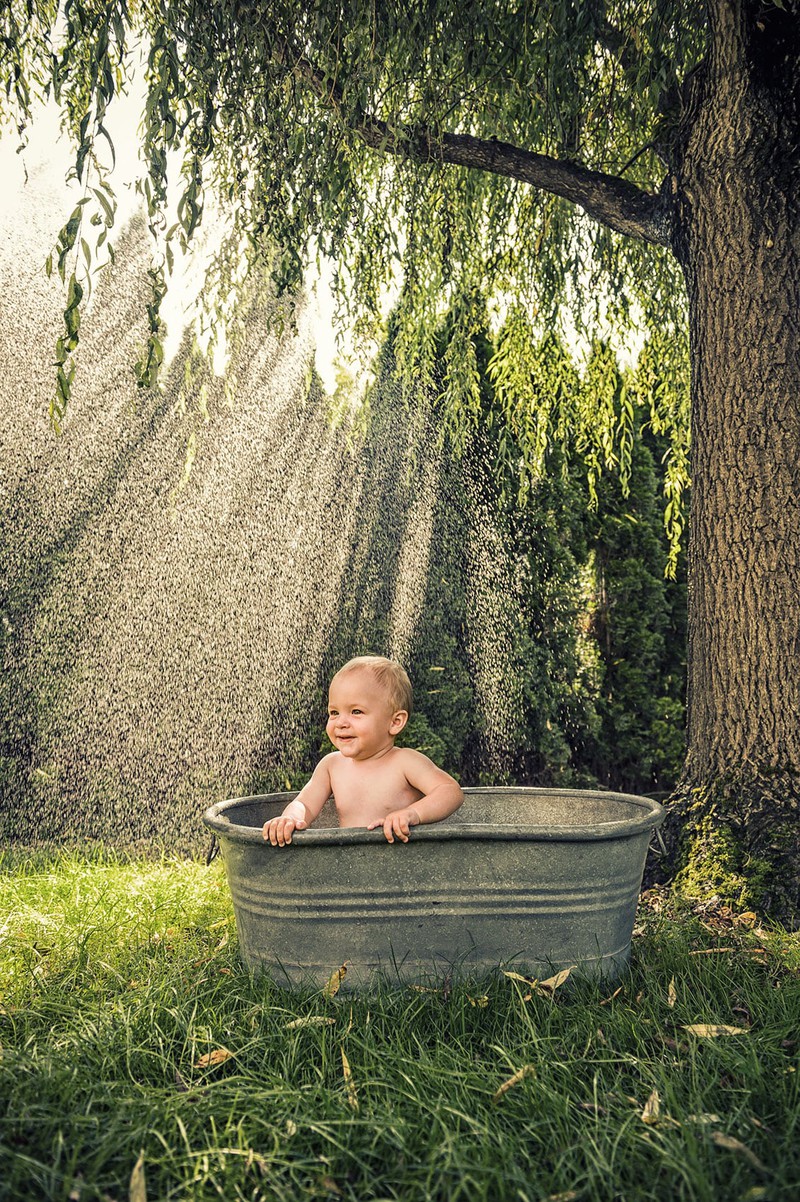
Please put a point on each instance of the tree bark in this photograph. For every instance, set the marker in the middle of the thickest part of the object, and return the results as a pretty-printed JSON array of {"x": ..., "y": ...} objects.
[{"x": 737, "y": 236}]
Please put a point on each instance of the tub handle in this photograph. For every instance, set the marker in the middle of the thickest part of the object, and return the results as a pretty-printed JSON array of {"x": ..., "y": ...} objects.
[
  {"x": 662, "y": 844},
  {"x": 213, "y": 850}
]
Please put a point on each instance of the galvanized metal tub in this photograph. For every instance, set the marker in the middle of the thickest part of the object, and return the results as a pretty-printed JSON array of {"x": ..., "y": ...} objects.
[{"x": 531, "y": 879}]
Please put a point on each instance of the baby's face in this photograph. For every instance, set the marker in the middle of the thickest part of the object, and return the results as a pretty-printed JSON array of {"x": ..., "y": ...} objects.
[{"x": 362, "y": 721}]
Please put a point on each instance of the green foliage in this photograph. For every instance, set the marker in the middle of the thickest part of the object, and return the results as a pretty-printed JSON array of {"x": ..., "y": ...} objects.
[
  {"x": 640, "y": 636},
  {"x": 328, "y": 126}
]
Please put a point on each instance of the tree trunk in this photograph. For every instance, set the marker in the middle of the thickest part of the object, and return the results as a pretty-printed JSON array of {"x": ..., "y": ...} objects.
[{"x": 738, "y": 238}]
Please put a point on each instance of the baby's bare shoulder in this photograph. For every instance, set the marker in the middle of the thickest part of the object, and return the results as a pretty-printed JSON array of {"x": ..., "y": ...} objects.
[
  {"x": 327, "y": 764},
  {"x": 411, "y": 763}
]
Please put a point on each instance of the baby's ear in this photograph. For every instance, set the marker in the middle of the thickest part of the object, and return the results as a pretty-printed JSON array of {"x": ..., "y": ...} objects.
[{"x": 398, "y": 721}]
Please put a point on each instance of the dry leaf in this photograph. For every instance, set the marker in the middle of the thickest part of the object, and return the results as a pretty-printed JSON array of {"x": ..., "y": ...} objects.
[
  {"x": 137, "y": 1191},
  {"x": 652, "y": 1108},
  {"x": 672, "y": 994},
  {"x": 310, "y": 1020},
  {"x": 218, "y": 1056},
  {"x": 352, "y": 1096},
  {"x": 756, "y": 1193},
  {"x": 712, "y": 1030},
  {"x": 481, "y": 1002},
  {"x": 748, "y": 919},
  {"x": 527, "y": 1070},
  {"x": 291, "y": 1128},
  {"x": 711, "y": 951},
  {"x": 616, "y": 993},
  {"x": 547, "y": 988},
  {"x": 330, "y": 1185},
  {"x": 516, "y": 976},
  {"x": 703, "y": 1118},
  {"x": 735, "y": 1145},
  {"x": 334, "y": 982},
  {"x": 567, "y": 1195}
]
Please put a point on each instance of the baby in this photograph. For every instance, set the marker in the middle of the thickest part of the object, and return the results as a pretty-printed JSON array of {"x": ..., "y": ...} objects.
[{"x": 373, "y": 782}]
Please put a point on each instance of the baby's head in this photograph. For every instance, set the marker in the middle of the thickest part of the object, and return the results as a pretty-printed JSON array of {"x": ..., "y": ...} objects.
[
  {"x": 369, "y": 702},
  {"x": 388, "y": 675}
]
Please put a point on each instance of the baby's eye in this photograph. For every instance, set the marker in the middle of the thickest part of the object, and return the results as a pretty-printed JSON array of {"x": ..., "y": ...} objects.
[{"x": 358, "y": 711}]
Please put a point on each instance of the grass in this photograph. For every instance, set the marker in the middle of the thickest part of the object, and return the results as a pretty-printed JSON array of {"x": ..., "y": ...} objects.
[{"x": 119, "y": 979}]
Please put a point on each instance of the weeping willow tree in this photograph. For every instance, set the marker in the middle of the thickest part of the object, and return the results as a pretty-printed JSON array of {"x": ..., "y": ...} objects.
[{"x": 590, "y": 166}]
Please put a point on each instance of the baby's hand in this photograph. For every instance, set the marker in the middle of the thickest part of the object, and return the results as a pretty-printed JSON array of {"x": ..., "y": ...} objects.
[
  {"x": 397, "y": 823},
  {"x": 279, "y": 830}
]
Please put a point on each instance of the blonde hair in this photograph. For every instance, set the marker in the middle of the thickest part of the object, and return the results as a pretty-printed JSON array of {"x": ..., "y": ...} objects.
[{"x": 390, "y": 675}]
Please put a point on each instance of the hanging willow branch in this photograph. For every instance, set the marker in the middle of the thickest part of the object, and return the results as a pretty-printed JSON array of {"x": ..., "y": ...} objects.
[{"x": 512, "y": 151}]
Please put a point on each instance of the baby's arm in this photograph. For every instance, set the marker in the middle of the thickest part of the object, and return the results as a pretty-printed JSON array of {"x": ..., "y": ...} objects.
[
  {"x": 303, "y": 809},
  {"x": 441, "y": 796}
]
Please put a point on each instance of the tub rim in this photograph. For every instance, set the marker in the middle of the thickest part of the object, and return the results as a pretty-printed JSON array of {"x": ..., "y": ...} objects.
[{"x": 649, "y": 819}]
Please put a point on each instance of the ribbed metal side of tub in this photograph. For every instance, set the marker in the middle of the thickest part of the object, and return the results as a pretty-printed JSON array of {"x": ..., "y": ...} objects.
[{"x": 457, "y": 898}]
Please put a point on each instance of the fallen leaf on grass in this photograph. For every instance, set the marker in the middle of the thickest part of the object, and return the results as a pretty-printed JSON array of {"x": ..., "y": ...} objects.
[
  {"x": 330, "y": 1185},
  {"x": 481, "y": 1002},
  {"x": 567, "y": 1195},
  {"x": 217, "y": 1056},
  {"x": 607, "y": 1000},
  {"x": 756, "y": 1193},
  {"x": 711, "y": 951},
  {"x": 652, "y": 1108},
  {"x": 735, "y": 1145},
  {"x": 672, "y": 994},
  {"x": 547, "y": 988},
  {"x": 310, "y": 1020},
  {"x": 334, "y": 982},
  {"x": 137, "y": 1191},
  {"x": 517, "y": 976},
  {"x": 703, "y": 1118},
  {"x": 748, "y": 919},
  {"x": 712, "y": 1030},
  {"x": 352, "y": 1096},
  {"x": 527, "y": 1070}
]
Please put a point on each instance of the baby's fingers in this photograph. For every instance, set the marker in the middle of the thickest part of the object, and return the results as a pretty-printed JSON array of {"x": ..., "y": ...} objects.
[
  {"x": 398, "y": 825},
  {"x": 279, "y": 831}
]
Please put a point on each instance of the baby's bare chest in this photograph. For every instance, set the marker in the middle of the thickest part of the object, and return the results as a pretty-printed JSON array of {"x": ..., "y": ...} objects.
[{"x": 364, "y": 793}]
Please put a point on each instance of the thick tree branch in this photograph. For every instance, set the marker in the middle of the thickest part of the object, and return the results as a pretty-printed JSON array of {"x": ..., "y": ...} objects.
[{"x": 614, "y": 202}]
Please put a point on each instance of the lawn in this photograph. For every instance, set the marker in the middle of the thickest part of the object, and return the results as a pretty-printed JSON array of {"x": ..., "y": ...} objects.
[{"x": 139, "y": 1060}]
